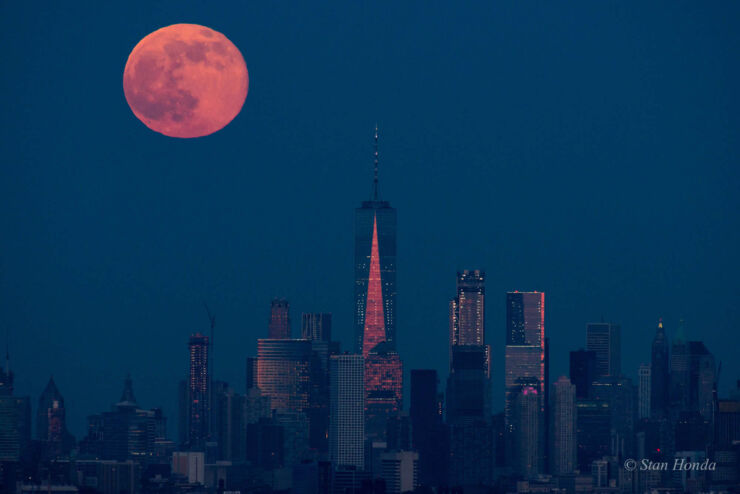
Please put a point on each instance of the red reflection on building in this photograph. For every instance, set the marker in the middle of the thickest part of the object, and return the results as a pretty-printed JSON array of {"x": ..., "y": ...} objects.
[
  {"x": 383, "y": 388},
  {"x": 374, "y": 331}
]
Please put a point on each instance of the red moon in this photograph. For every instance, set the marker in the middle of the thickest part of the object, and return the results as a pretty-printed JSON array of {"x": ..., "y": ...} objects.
[{"x": 185, "y": 80}]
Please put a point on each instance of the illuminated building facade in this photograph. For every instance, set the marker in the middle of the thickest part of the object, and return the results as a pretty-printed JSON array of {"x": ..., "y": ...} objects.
[
  {"x": 198, "y": 391},
  {"x": 467, "y": 313},
  {"x": 347, "y": 410},
  {"x": 383, "y": 388},
  {"x": 284, "y": 372}
]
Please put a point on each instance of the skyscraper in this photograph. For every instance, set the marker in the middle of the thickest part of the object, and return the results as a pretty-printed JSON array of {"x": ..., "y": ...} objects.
[
  {"x": 527, "y": 423},
  {"x": 375, "y": 270},
  {"x": 524, "y": 355},
  {"x": 582, "y": 371},
  {"x": 563, "y": 452},
  {"x": 316, "y": 326},
  {"x": 198, "y": 392},
  {"x": 643, "y": 391},
  {"x": 604, "y": 339},
  {"x": 375, "y": 294},
  {"x": 279, "y": 325},
  {"x": 51, "y": 426},
  {"x": 347, "y": 410},
  {"x": 467, "y": 309},
  {"x": 429, "y": 434},
  {"x": 659, "y": 373},
  {"x": 284, "y": 372}
]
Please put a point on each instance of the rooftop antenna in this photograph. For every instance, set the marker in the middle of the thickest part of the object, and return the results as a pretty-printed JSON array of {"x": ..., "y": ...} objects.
[{"x": 375, "y": 162}]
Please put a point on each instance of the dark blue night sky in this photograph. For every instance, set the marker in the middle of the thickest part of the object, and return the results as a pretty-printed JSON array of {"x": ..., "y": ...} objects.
[{"x": 586, "y": 149}]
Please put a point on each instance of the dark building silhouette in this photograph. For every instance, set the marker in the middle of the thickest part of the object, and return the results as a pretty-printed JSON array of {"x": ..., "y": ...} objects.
[
  {"x": 316, "y": 326},
  {"x": 199, "y": 392},
  {"x": 563, "y": 428},
  {"x": 582, "y": 371},
  {"x": 51, "y": 425},
  {"x": 430, "y": 436},
  {"x": 620, "y": 394},
  {"x": 126, "y": 432},
  {"x": 593, "y": 421},
  {"x": 15, "y": 421},
  {"x": 472, "y": 454},
  {"x": 279, "y": 325},
  {"x": 660, "y": 380},
  {"x": 604, "y": 339}
]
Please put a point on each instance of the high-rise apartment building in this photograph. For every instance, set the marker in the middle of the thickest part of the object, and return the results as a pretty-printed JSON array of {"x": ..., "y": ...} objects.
[{"x": 199, "y": 397}]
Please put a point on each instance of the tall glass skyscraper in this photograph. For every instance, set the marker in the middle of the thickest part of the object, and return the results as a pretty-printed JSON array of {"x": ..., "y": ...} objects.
[
  {"x": 375, "y": 270},
  {"x": 603, "y": 338},
  {"x": 524, "y": 366},
  {"x": 375, "y": 295},
  {"x": 347, "y": 410}
]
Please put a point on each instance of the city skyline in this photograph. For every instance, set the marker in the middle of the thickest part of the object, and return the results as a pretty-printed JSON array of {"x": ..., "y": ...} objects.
[{"x": 584, "y": 151}]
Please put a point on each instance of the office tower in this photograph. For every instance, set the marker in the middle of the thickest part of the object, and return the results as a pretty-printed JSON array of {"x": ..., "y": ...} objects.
[
  {"x": 429, "y": 435},
  {"x": 702, "y": 379},
  {"x": 400, "y": 470},
  {"x": 546, "y": 430},
  {"x": 660, "y": 381},
  {"x": 15, "y": 419},
  {"x": 469, "y": 417},
  {"x": 318, "y": 402},
  {"x": 383, "y": 388},
  {"x": 604, "y": 339},
  {"x": 644, "y": 393},
  {"x": 563, "y": 428},
  {"x": 284, "y": 372},
  {"x": 347, "y": 410},
  {"x": 279, "y": 325},
  {"x": 467, "y": 310},
  {"x": 524, "y": 362},
  {"x": 582, "y": 371},
  {"x": 526, "y": 422},
  {"x": 198, "y": 392},
  {"x": 375, "y": 270},
  {"x": 593, "y": 421},
  {"x": 619, "y": 393},
  {"x": 398, "y": 432},
  {"x": 51, "y": 426},
  {"x": 316, "y": 326}
]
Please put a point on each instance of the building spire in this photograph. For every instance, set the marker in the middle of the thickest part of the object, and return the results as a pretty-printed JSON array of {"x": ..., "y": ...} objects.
[{"x": 375, "y": 162}]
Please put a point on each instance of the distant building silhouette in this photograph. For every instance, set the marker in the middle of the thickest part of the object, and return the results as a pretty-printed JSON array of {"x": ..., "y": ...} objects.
[
  {"x": 51, "y": 425},
  {"x": 604, "y": 339},
  {"x": 563, "y": 457},
  {"x": 644, "y": 392},
  {"x": 316, "y": 326},
  {"x": 582, "y": 371},
  {"x": 660, "y": 381}
]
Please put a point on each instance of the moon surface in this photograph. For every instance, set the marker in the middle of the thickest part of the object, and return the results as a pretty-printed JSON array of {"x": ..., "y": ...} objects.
[{"x": 185, "y": 80}]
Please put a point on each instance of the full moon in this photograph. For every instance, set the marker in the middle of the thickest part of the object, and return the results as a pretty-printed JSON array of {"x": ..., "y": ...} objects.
[{"x": 185, "y": 80}]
